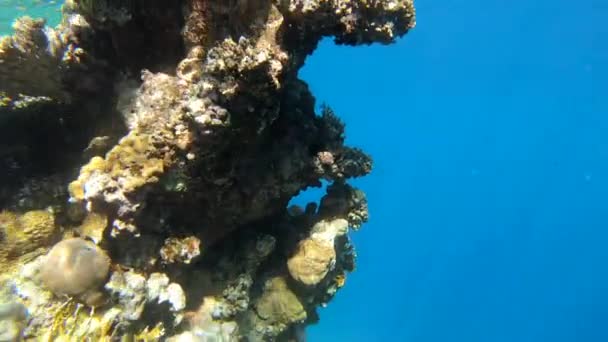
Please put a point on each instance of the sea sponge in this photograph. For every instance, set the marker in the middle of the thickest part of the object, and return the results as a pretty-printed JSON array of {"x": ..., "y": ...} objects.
[{"x": 76, "y": 268}]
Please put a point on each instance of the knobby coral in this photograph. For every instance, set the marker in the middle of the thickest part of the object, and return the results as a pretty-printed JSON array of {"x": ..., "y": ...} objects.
[{"x": 155, "y": 147}]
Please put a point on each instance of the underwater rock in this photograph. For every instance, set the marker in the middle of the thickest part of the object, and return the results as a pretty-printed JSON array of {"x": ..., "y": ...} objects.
[
  {"x": 12, "y": 321},
  {"x": 129, "y": 292},
  {"x": 133, "y": 292},
  {"x": 159, "y": 290},
  {"x": 174, "y": 136},
  {"x": 76, "y": 268},
  {"x": 202, "y": 327}
]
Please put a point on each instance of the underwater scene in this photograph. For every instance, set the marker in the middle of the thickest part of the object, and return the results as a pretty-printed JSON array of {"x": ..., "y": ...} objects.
[{"x": 303, "y": 170}]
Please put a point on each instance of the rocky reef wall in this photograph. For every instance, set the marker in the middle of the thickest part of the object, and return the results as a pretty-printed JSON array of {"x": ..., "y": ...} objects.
[{"x": 149, "y": 150}]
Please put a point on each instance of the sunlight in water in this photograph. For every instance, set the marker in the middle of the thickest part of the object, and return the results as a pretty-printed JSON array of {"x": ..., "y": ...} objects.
[{"x": 11, "y": 9}]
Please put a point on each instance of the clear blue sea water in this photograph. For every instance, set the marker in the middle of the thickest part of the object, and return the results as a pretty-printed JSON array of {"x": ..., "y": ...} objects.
[
  {"x": 10, "y": 9},
  {"x": 488, "y": 125}
]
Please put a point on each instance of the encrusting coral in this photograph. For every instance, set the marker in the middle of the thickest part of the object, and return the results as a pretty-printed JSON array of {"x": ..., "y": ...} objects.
[
  {"x": 151, "y": 150},
  {"x": 24, "y": 233}
]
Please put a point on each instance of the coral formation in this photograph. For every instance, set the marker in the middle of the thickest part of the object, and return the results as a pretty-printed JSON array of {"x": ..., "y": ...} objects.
[
  {"x": 180, "y": 250},
  {"x": 151, "y": 150},
  {"x": 276, "y": 309},
  {"x": 24, "y": 233},
  {"x": 76, "y": 268},
  {"x": 315, "y": 255}
]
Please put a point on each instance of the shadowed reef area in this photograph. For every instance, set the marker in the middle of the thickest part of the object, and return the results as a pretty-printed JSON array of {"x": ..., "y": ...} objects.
[{"x": 149, "y": 150}]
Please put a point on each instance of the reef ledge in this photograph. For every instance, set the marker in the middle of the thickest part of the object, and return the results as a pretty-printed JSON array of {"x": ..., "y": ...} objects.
[{"x": 149, "y": 151}]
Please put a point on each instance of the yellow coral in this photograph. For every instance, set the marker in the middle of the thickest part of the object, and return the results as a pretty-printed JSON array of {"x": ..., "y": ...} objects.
[
  {"x": 147, "y": 335},
  {"x": 93, "y": 226},
  {"x": 61, "y": 316},
  {"x": 133, "y": 161},
  {"x": 5, "y": 100},
  {"x": 24, "y": 233},
  {"x": 96, "y": 163},
  {"x": 72, "y": 323},
  {"x": 76, "y": 188},
  {"x": 340, "y": 280}
]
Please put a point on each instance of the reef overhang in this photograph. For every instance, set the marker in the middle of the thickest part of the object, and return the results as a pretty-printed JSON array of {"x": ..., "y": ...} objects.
[{"x": 166, "y": 140}]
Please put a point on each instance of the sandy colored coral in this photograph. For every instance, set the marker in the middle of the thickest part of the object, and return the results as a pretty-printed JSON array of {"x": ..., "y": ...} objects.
[
  {"x": 279, "y": 305},
  {"x": 76, "y": 268},
  {"x": 316, "y": 255},
  {"x": 311, "y": 261}
]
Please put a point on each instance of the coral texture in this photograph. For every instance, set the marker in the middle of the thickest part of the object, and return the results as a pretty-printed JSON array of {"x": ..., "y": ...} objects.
[
  {"x": 77, "y": 268},
  {"x": 151, "y": 150}
]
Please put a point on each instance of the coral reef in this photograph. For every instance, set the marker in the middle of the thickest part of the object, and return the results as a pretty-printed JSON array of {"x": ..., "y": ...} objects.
[{"x": 151, "y": 150}]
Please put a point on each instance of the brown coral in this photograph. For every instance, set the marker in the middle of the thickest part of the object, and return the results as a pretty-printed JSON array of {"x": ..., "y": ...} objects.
[
  {"x": 279, "y": 305},
  {"x": 76, "y": 268}
]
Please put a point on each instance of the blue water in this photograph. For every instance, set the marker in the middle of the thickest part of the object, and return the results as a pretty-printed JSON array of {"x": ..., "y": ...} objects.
[
  {"x": 10, "y": 9},
  {"x": 488, "y": 125}
]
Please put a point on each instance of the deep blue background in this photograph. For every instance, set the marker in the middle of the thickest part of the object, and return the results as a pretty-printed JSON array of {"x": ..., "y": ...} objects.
[{"x": 488, "y": 125}]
